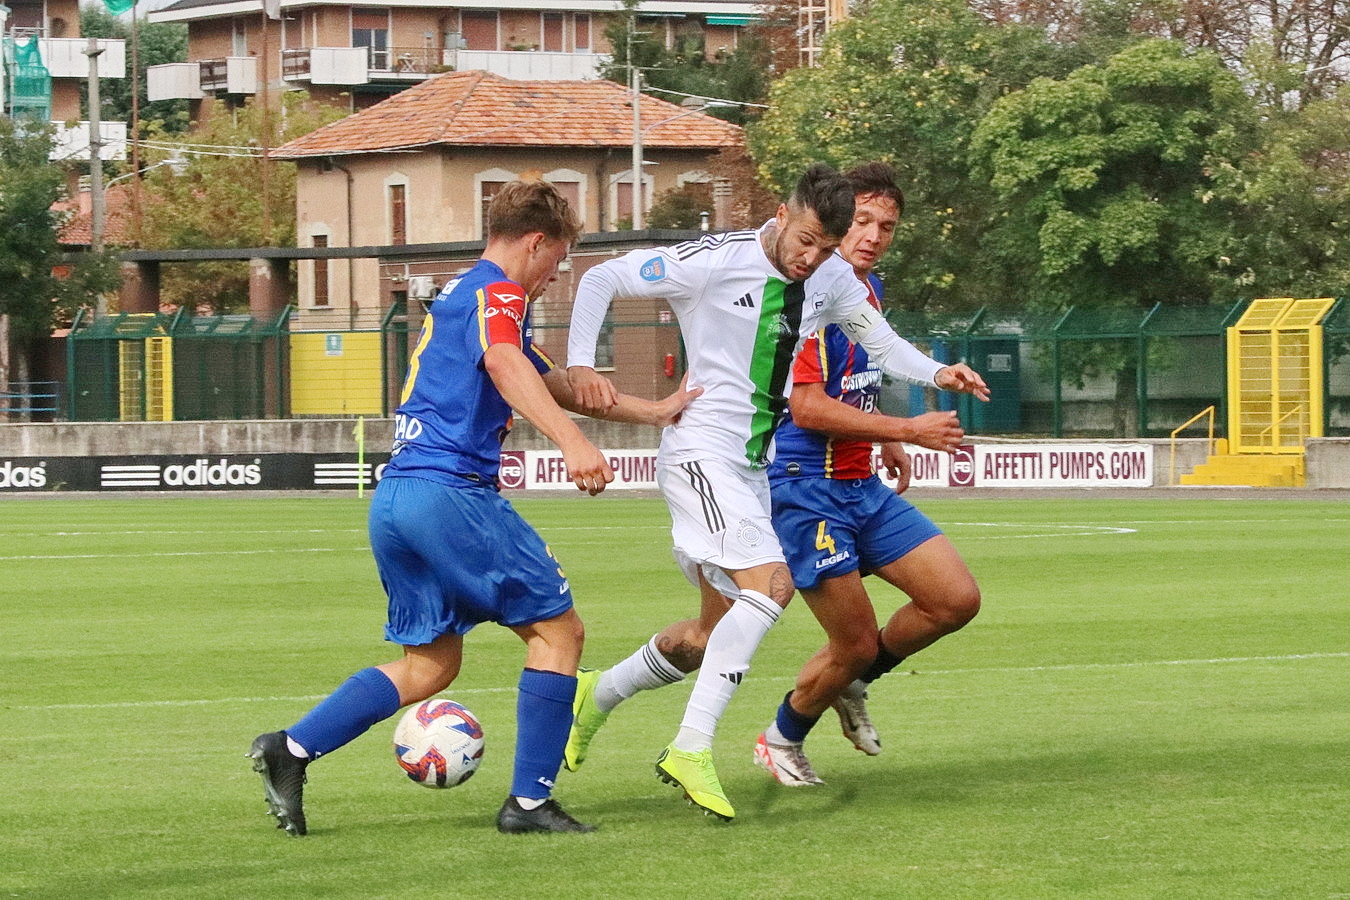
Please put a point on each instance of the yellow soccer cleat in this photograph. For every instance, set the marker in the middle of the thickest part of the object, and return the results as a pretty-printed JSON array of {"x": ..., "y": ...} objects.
[
  {"x": 695, "y": 774},
  {"x": 586, "y": 719}
]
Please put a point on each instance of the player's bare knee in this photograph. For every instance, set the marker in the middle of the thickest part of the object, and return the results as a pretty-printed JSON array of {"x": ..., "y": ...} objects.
[
  {"x": 859, "y": 648},
  {"x": 959, "y": 606}
]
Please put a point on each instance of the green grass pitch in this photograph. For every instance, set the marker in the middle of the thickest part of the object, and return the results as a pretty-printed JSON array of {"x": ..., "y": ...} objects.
[{"x": 1154, "y": 702}]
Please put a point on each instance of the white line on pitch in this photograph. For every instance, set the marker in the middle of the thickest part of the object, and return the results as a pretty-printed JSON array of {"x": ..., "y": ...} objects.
[
  {"x": 1067, "y": 667},
  {"x": 125, "y": 556}
]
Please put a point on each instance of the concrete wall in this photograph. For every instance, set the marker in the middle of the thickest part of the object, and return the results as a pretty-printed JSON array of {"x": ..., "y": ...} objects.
[{"x": 1328, "y": 458}]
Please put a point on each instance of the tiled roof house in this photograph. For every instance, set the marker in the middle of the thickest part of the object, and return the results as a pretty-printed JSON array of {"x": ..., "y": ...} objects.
[{"x": 421, "y": 166}]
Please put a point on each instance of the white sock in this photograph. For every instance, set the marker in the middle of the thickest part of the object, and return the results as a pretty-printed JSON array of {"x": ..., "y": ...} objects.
[
  {"x": 296, "y": 750},
  {"x": 644, "y": 670},
  {"x": 529, "y": 803},
  {"x": 725, "y": 662},
  {"x": 773, "y": 736}
]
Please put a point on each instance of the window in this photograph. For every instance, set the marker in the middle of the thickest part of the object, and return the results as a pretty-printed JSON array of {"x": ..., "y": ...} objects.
[
  {"x": 571, "y": 192},
  {"x": 321, "y": 274},
  {"x": 239, "y": 38},
  {"x": 488, "y": 190},
  {"x": 581, "y": 32},
  {"x": 370, "y": 29},
  {"x": 398, "y": 214},
  {"x": 478, "y": 30},
  {"x": 552, "y": 27}
]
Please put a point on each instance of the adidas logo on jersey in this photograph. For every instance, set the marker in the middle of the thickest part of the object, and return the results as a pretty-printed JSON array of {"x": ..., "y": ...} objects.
[{"x": 746, "y": 301}]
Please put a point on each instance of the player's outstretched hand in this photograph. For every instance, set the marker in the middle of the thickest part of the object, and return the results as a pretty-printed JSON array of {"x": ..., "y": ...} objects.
[
  {"x": 962, "y": 379},
  {"x": 897, "y": 464},
  {"x": 939, "y": 431},
  {"x": 594, "y": 392},
  {"x": 588, "y": 468},
  {"x": 669, "y": 409}
]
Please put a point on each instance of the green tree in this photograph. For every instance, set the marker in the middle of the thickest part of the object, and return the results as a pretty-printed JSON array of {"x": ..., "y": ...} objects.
[
  {"x": 157, "y": 43},
  {"x": 1291, "y": 197},
  {"x": 1106, "y": 188},
  {"x": 225, "y": 194},
  {"x": 33, "y": 298},
  {"x": 908, "y": 84},
  {"x": 740, "y": 74}
]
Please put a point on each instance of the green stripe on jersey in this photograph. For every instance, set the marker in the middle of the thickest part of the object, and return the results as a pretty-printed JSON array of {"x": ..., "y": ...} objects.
[{"x": 780, "y": 322}]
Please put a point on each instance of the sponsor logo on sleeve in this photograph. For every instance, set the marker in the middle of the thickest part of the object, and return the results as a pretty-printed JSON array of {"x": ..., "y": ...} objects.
[{"x": 653, "y": 269}]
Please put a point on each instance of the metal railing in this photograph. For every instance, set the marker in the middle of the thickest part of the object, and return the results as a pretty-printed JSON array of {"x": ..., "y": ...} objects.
[
  {"x": 1276, "y": 443},
  {"x": 27, "y": 398},
  {"x": 295, "y": 62},
  {"x": 408, "y": 60},
  {"x": 1172, "y": 464}
]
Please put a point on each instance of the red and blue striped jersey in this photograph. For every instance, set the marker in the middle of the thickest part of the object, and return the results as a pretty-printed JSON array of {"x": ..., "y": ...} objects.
[
  {"x": 831, "y": 359},
  {"x": 451, "y": 418}
]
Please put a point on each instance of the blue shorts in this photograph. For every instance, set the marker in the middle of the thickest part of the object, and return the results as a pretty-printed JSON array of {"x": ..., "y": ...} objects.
[
  {"x": 451, "y": 557},
  {"x": 830, "y": 527}
]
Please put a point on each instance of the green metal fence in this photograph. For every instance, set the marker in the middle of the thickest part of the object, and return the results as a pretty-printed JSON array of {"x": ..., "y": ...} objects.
[
  {"x": 156, "y": 366},
  {"x": 1079, "y": 371}
]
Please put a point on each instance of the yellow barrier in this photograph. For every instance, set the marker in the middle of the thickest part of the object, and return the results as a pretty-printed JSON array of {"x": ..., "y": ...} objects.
[
  {"x": 336, "y": 373},
  {"x": 1172, "y": 464}
]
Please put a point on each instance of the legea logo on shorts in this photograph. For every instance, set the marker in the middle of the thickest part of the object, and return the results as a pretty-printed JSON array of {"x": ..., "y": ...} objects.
[
  {"x": 653, "y": 269},
  {"x": 511, "y": 474},
  {"x": 962, "y": 473}
]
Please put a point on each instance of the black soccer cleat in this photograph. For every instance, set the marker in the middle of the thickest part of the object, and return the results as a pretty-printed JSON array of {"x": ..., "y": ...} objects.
[
  {"x": 515, "y": 819},
  {"x": 283, "y": 775}
]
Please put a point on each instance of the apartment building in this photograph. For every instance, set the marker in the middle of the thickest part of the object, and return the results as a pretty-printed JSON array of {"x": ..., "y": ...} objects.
[
  {"x": 45, "y": 63},
  {"x": 359, "y": 54}
]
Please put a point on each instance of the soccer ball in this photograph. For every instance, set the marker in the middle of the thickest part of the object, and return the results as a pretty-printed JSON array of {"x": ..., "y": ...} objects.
[{"x": 438, "y": 743}]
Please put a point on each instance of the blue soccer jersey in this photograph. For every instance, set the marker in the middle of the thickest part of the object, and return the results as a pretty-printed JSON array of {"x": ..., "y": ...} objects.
[
  {"x": 828, "y": 357},
  {"x": 451, "y": 418}
]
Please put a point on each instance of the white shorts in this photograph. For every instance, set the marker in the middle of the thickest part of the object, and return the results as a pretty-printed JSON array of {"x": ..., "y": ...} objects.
[{"x": 720, "y": 519}]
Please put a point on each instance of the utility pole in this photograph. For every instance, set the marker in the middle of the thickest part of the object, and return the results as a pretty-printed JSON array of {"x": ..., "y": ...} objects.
[
  {"x": 135, "y": 130},
  {"x": 96, "y": 206},
  {"x": 635, "y": 85}
]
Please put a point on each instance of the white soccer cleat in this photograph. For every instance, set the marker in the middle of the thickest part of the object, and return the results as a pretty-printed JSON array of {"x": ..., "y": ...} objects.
[
  {"x": 787, "y": 763},
  {"x": 854, "y": 720}
]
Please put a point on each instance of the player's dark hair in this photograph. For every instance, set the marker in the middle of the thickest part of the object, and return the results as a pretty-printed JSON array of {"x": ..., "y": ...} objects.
[
  {"x": 876, "y": 179},
  {"x": 827, "y": 194},
  {"x": 524, "y": 207}
]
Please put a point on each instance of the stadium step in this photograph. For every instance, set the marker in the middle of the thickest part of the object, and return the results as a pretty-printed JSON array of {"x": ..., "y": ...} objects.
[{"x": 1249, "y": 470}]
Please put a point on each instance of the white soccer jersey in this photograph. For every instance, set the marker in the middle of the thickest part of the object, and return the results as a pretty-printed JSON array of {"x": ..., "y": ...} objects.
[{"x": 742, "y": 322}]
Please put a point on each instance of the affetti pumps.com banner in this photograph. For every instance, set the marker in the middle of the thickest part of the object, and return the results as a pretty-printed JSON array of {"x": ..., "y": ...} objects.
[
  {"x": 1032, "y": 465},
  {"x": 986, "y": 466},
  {"x": 983, "y": 466}
]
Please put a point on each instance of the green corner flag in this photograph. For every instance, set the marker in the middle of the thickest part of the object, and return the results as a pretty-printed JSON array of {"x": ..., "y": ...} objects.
[{"x": 117, "y": 7}]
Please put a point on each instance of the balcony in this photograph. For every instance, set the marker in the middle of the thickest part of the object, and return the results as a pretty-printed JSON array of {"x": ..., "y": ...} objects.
[
  {"x": 230, "y": 75},
  {"x": 405, "y": 63},
  {"x": 174, "y": 81},
  {"x": 529, "y": 65},
  {"x": 325, "y": 65},
  {"x": 73, "y": 142},
  {"x": 65, "y": 57}
]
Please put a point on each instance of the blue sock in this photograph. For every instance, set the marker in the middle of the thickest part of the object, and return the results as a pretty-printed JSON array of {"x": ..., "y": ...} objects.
[
  {"x": 793, "y": 725},
  {"x": 344, "y": 715},
  {"x": 543, "y": 718}
]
